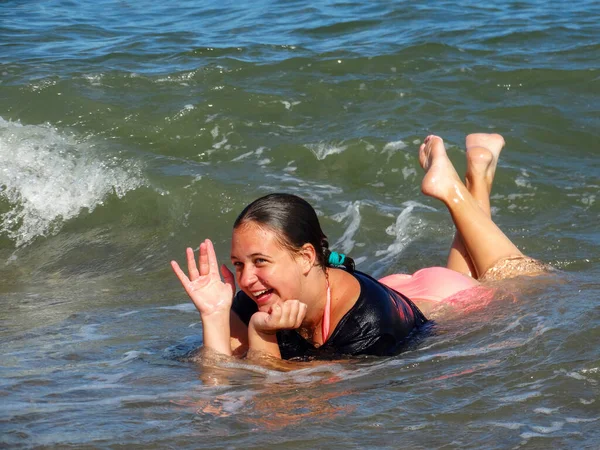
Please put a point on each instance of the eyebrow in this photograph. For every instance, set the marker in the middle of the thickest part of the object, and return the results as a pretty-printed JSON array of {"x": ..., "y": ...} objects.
[{"x": 252, "y": 255}]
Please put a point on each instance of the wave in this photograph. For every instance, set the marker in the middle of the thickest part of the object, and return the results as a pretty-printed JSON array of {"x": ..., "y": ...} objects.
[{"x": 48, "y": 177}]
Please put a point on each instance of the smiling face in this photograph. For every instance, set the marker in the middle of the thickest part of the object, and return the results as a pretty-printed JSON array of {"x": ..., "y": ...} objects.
[{"x": 265, "y": 270}]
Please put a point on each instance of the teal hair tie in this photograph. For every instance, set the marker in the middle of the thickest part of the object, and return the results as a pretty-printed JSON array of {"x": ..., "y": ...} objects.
[{"x": 336, "y": 259}]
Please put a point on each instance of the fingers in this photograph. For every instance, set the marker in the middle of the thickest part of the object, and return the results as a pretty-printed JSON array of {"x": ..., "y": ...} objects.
[
  {"x": 261, "y": 320},
  {"x": 192, "y": 269},
  {"x": 296, "y": 313},
  {"x": 228, "y": 277},
  {"x": 207, "y": 264},
  {"x": 301, "y": 314},
  {"x": 182, "y": 276},
  {"x": 289, "y": 312},
  {"x": 208, "y": 259},
  {"x": 203, "y": 259},
  {"x": 212, "y": 257},
  {"x": 274, "y": 318},
  {"x": 288, "y": 315}
]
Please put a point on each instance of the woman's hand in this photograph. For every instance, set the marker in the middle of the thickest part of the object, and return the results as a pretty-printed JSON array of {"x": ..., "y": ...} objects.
[
  {"x": 262, "y": 337},
  {"x": 287, "y": 315},
  {"x": 204, "y": 286}
]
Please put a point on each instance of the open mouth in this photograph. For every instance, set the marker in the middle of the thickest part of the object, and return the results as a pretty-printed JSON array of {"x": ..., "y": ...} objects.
[{"x": 262, "y": 296}]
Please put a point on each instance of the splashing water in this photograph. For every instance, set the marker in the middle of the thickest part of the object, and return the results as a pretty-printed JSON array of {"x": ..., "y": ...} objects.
[{"x": 47, "y": 178}]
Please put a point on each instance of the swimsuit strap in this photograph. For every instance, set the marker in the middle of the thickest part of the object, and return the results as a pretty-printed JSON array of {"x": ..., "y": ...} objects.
[{"x": 326, "y": 315}]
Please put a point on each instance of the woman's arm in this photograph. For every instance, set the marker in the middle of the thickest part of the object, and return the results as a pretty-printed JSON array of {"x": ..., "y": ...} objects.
[
  {"x": 211, "y": 296},
  {"x": 239, "y": 335},
  {"x": 263, "y": 342}
]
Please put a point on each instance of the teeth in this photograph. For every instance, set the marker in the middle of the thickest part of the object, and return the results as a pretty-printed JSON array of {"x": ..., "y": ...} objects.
[{"x": 259, "y": 293}]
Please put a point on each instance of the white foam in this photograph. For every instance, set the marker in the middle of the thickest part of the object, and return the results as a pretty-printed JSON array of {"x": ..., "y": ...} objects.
[
  {"x": 575, "y": 375},
  {"x": 311, "y": 192},
  {"x": 508, "y": 425},
  {"x": 477, "y": 351},
  {"x": 517, "y": 398},
  {"x": 346, "y": 241},
  {"x": 49, "y": 178},
  {"x": 194, "y": 180},
  {"x": 405, "y": 230},
  {"x": 94, "y": 79},
  {"x": 133, "y": 354},
  {"x": 186, "y": 307},
  {"x": 416, "y": 427},
  {"x": 529, "y": 434},
  {"x": 548, "y": 411},
  {"x": 111, "y": 378},
  {"x": 41, "y": 85},
  {"x": 89, "y": 333},
  {"x": 581, "y": 420},
  {"x": 323, "y": 150},
  {"x": 556, "y": 426},
  {"x": 522, "y": 180},
  {"x": 394, "y": 146},
  {"x": 242, "y": 156},
  {"x": 221, "y": 143},
  {"x": 408, "y": 172},
  {"x": 288, "y": 105},
  {"x": 181, "y": 113},
  {"x": 179, "y": 79}
]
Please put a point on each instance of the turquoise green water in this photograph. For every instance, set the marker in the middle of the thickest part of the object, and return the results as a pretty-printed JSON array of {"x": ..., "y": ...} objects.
[{"x": 129, "y": 131}]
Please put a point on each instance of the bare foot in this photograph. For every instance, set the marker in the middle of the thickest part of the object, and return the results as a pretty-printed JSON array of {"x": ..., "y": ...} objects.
[
  {"x": 441, "y": 180},
  {"x": 483, "y": 151}
]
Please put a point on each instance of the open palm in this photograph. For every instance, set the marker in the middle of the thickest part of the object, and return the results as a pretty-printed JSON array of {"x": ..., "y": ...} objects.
[{"x": 205, "y": 287}]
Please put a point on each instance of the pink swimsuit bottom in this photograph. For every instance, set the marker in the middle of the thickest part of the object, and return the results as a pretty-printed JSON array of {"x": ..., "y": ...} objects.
[
  {"x": 432, "y": 283},
  {"x": 434, "y": 286}
]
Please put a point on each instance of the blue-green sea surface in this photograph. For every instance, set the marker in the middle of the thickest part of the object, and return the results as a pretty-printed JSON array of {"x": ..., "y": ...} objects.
[{"x": 131, "y": 130}]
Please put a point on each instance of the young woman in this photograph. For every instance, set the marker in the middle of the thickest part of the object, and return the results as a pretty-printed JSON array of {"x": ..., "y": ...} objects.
[{"x": 299, "y": 299}]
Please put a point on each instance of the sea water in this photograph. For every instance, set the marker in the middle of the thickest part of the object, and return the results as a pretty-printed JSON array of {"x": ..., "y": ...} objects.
[{"x": 130, "y": 130}]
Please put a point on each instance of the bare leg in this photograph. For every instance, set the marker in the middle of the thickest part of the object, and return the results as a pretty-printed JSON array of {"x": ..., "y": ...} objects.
[
  {"x": 485, "y": 243},
  {"x": 482, "y": 157}
]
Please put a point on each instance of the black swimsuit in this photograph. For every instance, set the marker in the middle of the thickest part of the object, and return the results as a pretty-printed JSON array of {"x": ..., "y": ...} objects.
[{"x": 378, "y": 324}]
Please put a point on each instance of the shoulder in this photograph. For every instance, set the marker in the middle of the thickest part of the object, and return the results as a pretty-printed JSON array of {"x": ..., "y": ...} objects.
[{"x": 370, "y": 314}]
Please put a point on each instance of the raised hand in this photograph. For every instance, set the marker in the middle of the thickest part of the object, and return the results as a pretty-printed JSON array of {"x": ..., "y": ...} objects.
[{"x": 209, "y": 293}]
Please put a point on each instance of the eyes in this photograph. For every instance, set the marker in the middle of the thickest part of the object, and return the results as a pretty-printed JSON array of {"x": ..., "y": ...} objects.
[{"x": 258, "y": 262}]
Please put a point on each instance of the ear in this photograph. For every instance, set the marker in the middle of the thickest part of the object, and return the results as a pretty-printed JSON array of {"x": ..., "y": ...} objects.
[{"x": 307, "y": 257}]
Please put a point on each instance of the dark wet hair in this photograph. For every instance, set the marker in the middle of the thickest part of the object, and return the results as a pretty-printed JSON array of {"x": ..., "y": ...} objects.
[{"x": 294, "y": 222}]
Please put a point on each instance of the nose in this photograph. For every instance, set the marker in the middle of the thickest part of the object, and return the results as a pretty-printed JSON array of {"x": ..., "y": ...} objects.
[{"x": 246, "y": 277}]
